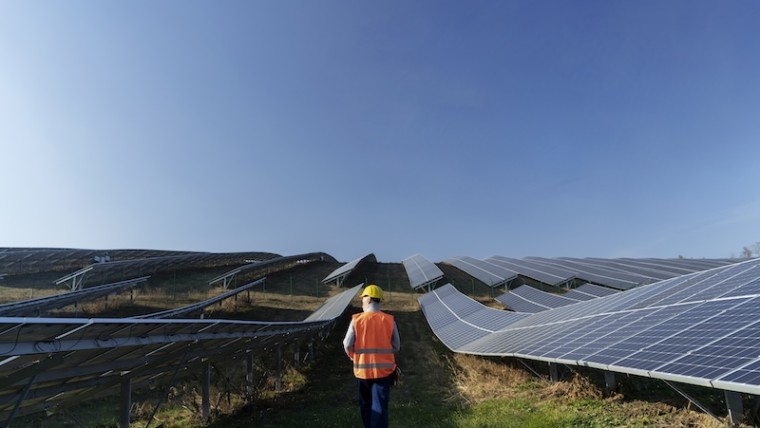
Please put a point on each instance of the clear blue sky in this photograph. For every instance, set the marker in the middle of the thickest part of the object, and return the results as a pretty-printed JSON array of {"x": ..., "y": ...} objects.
[{"x": 515, "y": 128}]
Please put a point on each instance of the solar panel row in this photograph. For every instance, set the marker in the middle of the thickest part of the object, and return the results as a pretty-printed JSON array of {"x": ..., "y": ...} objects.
[
  {"x": 200, "y": 306},
  {"x": 518, "y": 303},
  {"x": 488, "y": 273},
  {"x": 338, "y": 275},
  {"x": 421, "y": 272},
  {"x": 105, "y": 271},
  {"x": 530, "y": 299},
  {"x": 594, "y": 290},
  {"x": 700, "y": 329},
  {"x": 29, "y": 260},
  {"x": 35, "y": 307},
  {"x": 51, "y": 362},
  {"x": 619, "y": 274}
]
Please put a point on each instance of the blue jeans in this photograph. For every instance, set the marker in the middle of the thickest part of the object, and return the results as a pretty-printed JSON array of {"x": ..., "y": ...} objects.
[{"x": 373, "y": 401}]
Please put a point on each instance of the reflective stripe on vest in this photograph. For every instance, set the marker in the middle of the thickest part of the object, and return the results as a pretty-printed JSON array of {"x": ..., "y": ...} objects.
[{"x": 373, "y": 351}]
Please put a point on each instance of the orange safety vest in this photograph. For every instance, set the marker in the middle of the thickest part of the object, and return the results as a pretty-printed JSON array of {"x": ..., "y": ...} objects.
[{"x": 373, "y": 353}]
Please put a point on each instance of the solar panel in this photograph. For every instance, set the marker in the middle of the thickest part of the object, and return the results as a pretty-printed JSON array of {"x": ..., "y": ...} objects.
[
  {"x": 646, "y": 266},
  {"x": 519, "y": 303},
  {"x": 663, "y": 330},
  {"x": 596, "y": 274},
  {"x": 542, "y": 297},
  {"x": 342, "y": 272},
  {"x": 527, "y": 297},
  {"x": 31, "y": 260},
  {"x": 487, "y": 273},
  {"x": 335, "y": 306},
  {"x": 621, "y": 274},
  {"x": 579, "y": 295},
  {"x": 34, "y": 307},
  {"x": 266, "y": 267},
  {"x": 596, "y": 290},
  {"x": 452, "y": 316},
  {"x": 100, "y": 272},
  {"x": 59, "y": 361},
  {"x": 546, "y": 274},
  {"x": 200, "y": 306},
  {"x": 421, "y": 272}
]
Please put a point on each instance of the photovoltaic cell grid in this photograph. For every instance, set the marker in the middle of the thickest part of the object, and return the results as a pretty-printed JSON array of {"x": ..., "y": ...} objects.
[
  {"x": 641, "y": 267},
  {"x": 35, "y": 307},
  {"x": 518, "y": 303},
  {"x": 546, "y": 274},
  {"x": 536, "y": 299},
  {"x": 46, "y": 362},
  {"x": 457, "y": 320},
  {"x": 596, "y": 290},
  {"x": 345, "y": 270},
  {"x": 106, "y": 271},
  {"x": 487, "y": 273},
  {"x": 335, "y": 305},
  {"x": 663, "y": 330},
  {"x": 589, "y": 291},
  {"x": 341, "y": 271},
  {"x": 658, "y": 268},
  {"x": 421, "y": 271},
  {"x": 284, "y": 262},
  {"x": 626, "y": 273},
  {"x": 577, "y": 295},
  {"x": 595, "y": 274},
  {"x": 28, "y": 260}
]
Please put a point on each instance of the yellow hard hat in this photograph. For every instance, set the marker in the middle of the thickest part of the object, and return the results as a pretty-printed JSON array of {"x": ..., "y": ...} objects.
[{"x": 373, "y": 291}]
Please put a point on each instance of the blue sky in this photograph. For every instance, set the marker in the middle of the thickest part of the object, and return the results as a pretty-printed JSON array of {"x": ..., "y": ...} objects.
[{"x": 520, "y": 128}]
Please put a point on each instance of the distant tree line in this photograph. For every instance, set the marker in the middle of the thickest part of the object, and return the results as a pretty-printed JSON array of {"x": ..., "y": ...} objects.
[{"x": 749, "y": 251}]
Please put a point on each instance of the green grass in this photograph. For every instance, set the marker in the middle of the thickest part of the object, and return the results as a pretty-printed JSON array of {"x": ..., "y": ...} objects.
[{"x": 528, "y": 413}]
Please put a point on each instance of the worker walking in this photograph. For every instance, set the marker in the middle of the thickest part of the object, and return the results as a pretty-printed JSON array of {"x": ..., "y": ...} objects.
[{"x": 371, "y": 341}]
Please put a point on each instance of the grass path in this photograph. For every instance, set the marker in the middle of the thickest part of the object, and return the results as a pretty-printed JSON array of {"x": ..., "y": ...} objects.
[{"x": 328, "y": 396}]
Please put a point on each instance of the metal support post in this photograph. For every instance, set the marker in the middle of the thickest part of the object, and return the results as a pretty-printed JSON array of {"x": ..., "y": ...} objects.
[
  {"x": 205, "y": 388},
  {"x": 735, "y": 407},
  {"x": 692, "y": 400},
  {"x": 278, "y": 379},
  {"x": 125, "y": 405},
  {"x": 249, "y": 376},
  {"x": 610, "y": 382},
  {"x": 21, "y": 398},
  {"x": 535, "y": 373},
  {"x": 165, "y": 394},
  {"x": 553, "y": 372}
]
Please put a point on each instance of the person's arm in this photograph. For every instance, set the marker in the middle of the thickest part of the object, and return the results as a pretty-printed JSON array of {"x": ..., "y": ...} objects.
[
  {"x": 348, "y": 341},
  {"x": 395, "y": 339}
]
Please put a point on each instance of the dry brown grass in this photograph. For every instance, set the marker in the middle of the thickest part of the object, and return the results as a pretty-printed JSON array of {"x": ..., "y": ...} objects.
[
  {"x": 481, "y": 379},
  {"x": 662, "y": 415},
  {"x": 478, "y": 379},
  {"x": 577, "y": 388},
  {"x": 15, "y": 294}
]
